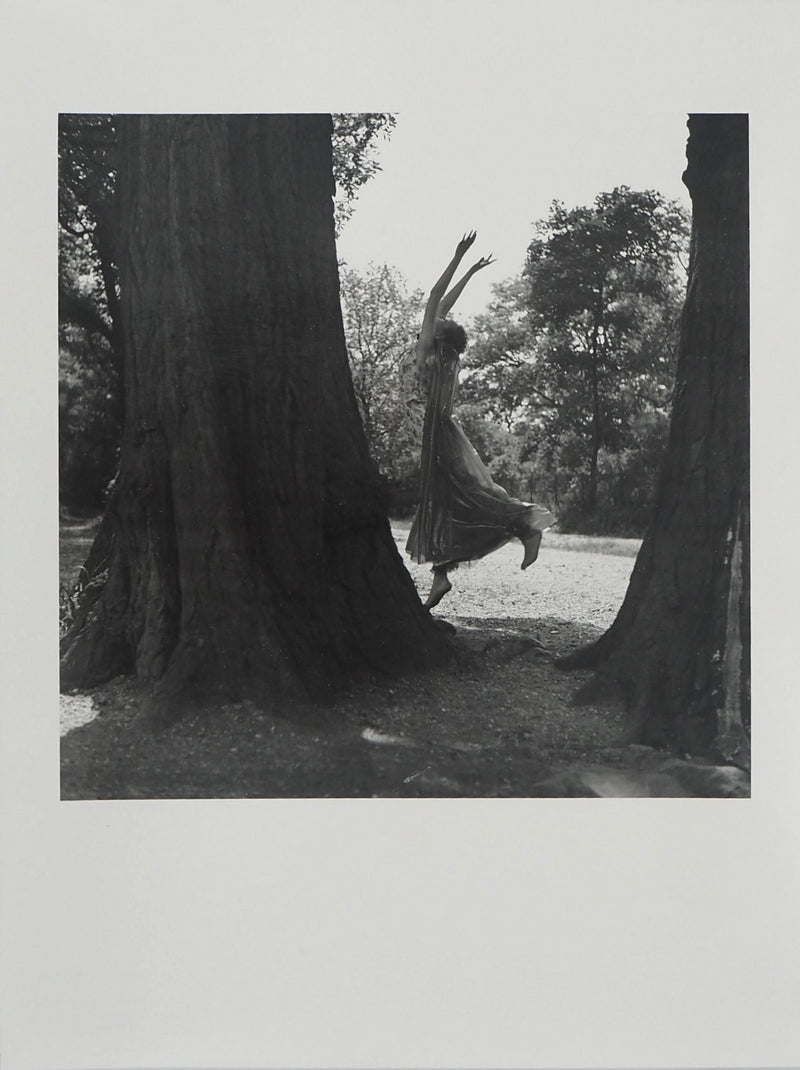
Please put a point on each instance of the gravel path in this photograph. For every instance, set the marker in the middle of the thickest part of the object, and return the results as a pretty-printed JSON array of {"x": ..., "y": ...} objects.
[{"x": 584, "y": 587}]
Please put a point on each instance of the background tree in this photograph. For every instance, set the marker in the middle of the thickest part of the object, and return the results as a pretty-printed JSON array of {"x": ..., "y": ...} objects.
[
  {"x": 679, "y": 647},
  {"x": 381, "y": 320},
  {"x": 579, "y": 351},
  {"x": 91, "y": 338},
  {"x": 500, "y": 361},
  {"x": 355, "y": 140},
  {"x": 89, "y": 424},
  {"x": 246, "y": 548},
  {"x": 88, "y": 291},
  {"x": 601, "y": 282},
  {"x": 501, "y": 404}
]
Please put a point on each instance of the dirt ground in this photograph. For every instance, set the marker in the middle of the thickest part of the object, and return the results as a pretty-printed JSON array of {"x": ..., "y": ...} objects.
[{"x": 496, "y": 722}]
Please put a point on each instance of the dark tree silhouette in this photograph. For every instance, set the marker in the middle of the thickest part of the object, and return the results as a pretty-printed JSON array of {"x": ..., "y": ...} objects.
[
  {"x": 245, "y": 549},
  {"x": 679, "y": 647}
]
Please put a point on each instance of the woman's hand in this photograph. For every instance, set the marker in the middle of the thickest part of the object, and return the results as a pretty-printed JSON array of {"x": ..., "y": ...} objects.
[
  {"x": 465, "y": 243},
  {"x": 443, "y": 303},
  {"x": 484, "y": 261}
]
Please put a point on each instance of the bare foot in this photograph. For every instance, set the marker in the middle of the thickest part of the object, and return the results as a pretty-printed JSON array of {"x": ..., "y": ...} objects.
[
  {"x": 439, "y": 588},
  {"x": 531, "y": 544}
]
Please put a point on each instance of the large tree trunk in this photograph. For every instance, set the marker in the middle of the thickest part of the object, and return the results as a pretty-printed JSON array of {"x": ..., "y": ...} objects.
[
  {"x": 679, "y": 648},
  {"x": 246, "y": 549}
]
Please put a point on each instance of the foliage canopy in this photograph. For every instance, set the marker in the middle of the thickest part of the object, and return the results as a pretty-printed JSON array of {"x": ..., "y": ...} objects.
[{"x": 578, "y": 352}]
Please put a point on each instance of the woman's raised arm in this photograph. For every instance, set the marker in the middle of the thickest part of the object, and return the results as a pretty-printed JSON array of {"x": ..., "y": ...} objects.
[
  {"x": 427, "y": 331},
  {"x": 450, "y": 298}
]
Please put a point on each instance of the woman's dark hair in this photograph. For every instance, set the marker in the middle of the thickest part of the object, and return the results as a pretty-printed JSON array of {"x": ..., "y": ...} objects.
[{"x": 452, "y": 334}]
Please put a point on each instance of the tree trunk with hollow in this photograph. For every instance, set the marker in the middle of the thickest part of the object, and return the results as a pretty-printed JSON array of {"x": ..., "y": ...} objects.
[
  {"x": 679, "y": 647},
  {"x": 246, "y": 550}
]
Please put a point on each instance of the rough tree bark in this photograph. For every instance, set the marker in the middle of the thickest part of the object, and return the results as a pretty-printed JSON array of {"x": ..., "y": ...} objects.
[
  {"x": 679, "y": 647},
  {"x": 246, "y": 549}
]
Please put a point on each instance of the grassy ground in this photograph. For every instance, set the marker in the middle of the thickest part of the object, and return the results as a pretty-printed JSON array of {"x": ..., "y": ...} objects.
[
  {"x": 584, "y": 544},
  {"x": 594, "y": 544}
]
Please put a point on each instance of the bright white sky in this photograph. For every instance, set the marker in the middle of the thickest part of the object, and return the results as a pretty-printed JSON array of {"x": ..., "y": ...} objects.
[{"x": 498, "y": 173}]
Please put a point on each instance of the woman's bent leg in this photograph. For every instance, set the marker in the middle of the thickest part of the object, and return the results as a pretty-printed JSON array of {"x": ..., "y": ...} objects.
[{"x": 531, "y": 542}]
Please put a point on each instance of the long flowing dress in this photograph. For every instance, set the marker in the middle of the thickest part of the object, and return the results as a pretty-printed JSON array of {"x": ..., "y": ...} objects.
[{"x": 462, "y": 513}]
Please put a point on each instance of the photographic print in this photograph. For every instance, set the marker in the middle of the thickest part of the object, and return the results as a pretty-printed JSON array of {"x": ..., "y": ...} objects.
[
  {"x": 323, "y": 535},
  {"x": 388, "y": 386}
]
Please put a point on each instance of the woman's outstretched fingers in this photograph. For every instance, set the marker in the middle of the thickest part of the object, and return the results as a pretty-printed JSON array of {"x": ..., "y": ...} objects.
[{"x": 466, "y": 242}]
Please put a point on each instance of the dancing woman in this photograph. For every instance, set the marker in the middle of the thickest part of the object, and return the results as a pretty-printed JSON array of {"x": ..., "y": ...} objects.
[{"x": 462, "y": 513}]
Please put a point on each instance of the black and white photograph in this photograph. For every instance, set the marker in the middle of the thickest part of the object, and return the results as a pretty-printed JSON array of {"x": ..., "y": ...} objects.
[
  {"x": 389, "y": 388},
  {"x": 297, "y": 492}
]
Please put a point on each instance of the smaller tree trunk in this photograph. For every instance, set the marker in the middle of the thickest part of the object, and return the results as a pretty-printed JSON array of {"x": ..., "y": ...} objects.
[{"x": 679, "y": 647}]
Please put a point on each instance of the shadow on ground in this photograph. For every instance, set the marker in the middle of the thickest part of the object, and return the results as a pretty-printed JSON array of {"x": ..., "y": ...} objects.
[{"x": 498, "y": 722}]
